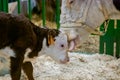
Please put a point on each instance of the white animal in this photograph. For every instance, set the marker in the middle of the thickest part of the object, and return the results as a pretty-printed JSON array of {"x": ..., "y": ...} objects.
[{"x": 79, "y": 18}]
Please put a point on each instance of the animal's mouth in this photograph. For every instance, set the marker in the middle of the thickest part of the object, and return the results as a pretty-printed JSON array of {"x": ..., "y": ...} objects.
[{"x": 72, "y": 45}]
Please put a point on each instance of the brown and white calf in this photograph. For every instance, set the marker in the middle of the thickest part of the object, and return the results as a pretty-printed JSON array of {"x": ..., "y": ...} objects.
[{"x": 22, "y": 41}]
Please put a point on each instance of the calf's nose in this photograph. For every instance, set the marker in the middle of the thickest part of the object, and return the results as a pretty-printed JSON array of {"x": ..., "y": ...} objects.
[{"x": 65, "y": 60}]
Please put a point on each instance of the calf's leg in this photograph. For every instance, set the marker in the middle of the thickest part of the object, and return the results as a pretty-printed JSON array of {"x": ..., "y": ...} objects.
[
  {"x": 28, "y": 69},
  {"x": 15, "y": 70}
]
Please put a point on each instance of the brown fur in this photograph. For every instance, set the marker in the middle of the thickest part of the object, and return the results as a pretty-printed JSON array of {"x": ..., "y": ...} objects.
[{"x": 19, "y": 33}]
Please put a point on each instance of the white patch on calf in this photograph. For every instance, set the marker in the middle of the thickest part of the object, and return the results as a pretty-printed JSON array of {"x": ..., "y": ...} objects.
[
  {"x": 28, "y": 50},
  {"x": 8, "y": 52},
  {"x": 4, "y": 63},
  {"x": 5, "y": 55},
  {"x": 26, "y": 58}
]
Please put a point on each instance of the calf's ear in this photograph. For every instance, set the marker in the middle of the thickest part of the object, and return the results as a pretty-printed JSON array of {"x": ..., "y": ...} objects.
[{"x": 50, "y": 40}]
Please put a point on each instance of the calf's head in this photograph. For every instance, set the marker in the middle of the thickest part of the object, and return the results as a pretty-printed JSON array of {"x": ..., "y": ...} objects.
[{"x": 57, "y": 46}]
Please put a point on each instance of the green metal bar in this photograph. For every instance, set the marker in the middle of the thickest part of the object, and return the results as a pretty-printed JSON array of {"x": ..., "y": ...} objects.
[
  {"x": 5, "y": 5},
  {"x": 109, "y": 46},
  {"x": 118, "y": 39},
  {"x": 110, "y": 38},
  {"x": 30, "y": 11},
  {"x": 1, "y": 5},
  {"x": 102, "y": 41},
  {"x": 58, "y": 13},
  {"x": 102, "y": 45},
  {"x": 19, "y": 7},
  {"x": 43, "y": 13}
]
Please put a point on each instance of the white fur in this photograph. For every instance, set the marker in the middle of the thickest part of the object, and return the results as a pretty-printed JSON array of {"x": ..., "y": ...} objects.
[
  {"x": 26, "y": 58},
  {"x": 84, "y": 16},
  {"x": 8, "y": 52},
  {"x": 5, "y": 55},
  {"x": 55, "y": 50}
]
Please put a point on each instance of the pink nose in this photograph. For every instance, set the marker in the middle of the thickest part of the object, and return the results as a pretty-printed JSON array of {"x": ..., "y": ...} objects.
[
  {"x": 65, "y": 60},
  {"x": 68, "y": 59}
]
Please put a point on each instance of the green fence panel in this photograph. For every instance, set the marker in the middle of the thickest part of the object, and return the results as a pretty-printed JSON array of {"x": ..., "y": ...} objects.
[
  {"x": 111, "y": 37},
  {"x": 4, "y": 5}
]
